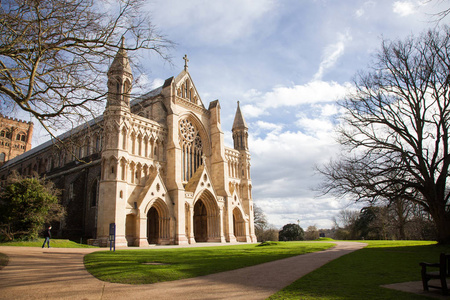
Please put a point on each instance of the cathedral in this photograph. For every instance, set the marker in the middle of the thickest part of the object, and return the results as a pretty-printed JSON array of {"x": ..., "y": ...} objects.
[{"x": 155, "y": 166}]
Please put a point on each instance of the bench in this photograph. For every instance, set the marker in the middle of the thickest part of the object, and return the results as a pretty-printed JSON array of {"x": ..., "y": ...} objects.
[{"x": 442, "y": 274}]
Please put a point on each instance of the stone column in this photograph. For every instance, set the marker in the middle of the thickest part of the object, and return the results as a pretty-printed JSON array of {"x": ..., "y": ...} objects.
[
  {"x": 191, "y": 225},
  {"x": 142, "y": 232},
  {"x": 222, "y": 236}
]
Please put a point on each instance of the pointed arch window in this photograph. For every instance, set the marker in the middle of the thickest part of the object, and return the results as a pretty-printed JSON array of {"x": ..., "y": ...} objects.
[{"x": 192, "y": 149}]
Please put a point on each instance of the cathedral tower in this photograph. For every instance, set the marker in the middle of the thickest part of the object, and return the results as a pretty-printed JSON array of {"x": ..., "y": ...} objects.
[
  {"x": 240, "y": 131},
  {"x": 113, "y": 189},
  {"x": 119, "y": 79},
  {"x": 240, "y": 139}
]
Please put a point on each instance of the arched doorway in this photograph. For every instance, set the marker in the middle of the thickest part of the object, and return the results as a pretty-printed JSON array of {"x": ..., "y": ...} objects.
[
  {"x": 153, "y": 226},
  {"x": 238, "y": 225},
  {"x": 200, "y": 222}
]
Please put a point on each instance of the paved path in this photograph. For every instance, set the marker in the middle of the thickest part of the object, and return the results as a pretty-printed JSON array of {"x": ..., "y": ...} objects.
[{"x": 59, "y": 273}]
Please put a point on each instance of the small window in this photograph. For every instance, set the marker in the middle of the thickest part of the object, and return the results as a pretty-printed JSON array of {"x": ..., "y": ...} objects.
[{"x": 2, "y": 157}]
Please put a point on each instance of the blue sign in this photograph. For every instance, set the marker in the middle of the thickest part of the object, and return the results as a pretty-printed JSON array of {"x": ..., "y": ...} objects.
[{"x": 112, "y": 236}]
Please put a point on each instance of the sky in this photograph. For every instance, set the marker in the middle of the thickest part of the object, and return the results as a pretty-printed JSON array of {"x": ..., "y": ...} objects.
[{"x": 288, "y": 62}]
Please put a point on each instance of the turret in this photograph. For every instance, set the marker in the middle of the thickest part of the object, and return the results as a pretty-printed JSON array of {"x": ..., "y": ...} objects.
[
  {"x": 240, "y": 131},
  {"x": 120, "y": 79}
]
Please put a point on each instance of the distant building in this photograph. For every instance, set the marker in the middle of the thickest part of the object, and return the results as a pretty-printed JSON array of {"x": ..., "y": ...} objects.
[
  {"x": 156, "y": 167},
  {"x": 15, "y": 138}
]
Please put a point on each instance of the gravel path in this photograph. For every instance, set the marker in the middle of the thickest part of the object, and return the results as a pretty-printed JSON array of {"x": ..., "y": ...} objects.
[{"x": 59, "y": 273}]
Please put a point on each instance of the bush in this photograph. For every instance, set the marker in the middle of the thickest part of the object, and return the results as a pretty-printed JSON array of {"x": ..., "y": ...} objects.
[
  {"x": 291, "y": 232},
  {"x": 26, "y": 204}
]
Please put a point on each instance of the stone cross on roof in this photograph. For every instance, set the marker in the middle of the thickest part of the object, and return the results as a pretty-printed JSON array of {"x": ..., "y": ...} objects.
[{"x": 186, "y": 60}]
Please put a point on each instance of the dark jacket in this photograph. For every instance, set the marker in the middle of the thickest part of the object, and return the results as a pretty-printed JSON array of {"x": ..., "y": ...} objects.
[{"x": 47, "y": 233}]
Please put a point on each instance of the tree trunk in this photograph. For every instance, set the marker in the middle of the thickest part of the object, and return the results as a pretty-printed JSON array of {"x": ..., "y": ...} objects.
[
  {"x": 441, "y": 219},
  {"x": 443, "y": 230}
]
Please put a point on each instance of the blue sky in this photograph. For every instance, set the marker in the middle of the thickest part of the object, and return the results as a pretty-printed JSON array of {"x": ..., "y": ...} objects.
[{"x": 287, "y": 62}]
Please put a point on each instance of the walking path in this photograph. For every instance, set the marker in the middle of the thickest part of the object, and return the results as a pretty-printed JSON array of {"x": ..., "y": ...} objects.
[{"x": 59, "y": 273}]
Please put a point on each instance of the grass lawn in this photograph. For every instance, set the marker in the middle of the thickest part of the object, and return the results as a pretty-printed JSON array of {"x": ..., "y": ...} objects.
[
  {"x": 359, "y": 274},
  {"x": 54, "y": 243},
  {"x": 155, "y": 265}
]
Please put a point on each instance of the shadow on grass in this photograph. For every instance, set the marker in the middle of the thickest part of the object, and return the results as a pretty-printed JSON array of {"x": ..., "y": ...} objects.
[
  {"x": 131, "y": 266},
  {"x": 360, "y": 274}
]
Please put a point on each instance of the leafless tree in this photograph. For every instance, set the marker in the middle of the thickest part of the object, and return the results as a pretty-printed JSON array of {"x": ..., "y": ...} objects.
[
  {"x": 440, "y": 15},
  {"x": 54, "y": 54},
  {"x": 263, "y": 230},
  {"x": 312, "y": 233},
  {"x": 396, "y": 129}
]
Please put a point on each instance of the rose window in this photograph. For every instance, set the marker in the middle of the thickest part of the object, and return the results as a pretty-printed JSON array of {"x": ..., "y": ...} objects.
[{"x": 192, "y": 149}]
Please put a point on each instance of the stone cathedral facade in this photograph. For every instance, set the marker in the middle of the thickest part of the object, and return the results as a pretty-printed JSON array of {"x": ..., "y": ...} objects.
[{"x": 156, "y": 166}]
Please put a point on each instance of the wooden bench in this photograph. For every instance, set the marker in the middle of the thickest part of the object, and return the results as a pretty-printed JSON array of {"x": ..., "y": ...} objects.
[{"x": 442, "y": 274}]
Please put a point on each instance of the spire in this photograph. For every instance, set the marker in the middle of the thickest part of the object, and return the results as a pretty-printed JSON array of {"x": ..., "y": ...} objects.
[
  {"x": 120, "y": 79},
  {"x": 121, "y": 62},
  {"x": 239, "y": 121},
  {"x": 240, "y": 131}
]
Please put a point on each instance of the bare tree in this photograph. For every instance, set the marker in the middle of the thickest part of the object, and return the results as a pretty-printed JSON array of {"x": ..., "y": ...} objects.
[
  {"x": 263, "y": 230},
  {"x": 396, "y": 129},
  {"x": 312, "y": 233},
  {"x": 54, "y": 54},
  {"x": 344, "y": 224},
  {"x": 441, "y": 14}
]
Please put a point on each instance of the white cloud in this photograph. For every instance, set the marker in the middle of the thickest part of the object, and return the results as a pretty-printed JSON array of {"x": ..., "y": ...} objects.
[
  {"x": 315, "y": 126},
  {"x": 331, "y": 55},
  {"x": 274, "y": 128},
  {"x": 359, "y": 12},
  {"x": 404, "y": 8},
  {"x": 283, "y": 96},
  {"x": 144, "y": 84},
  {"x": 283, "y": 165},
  {"x": 309, "y": 211},
  {"x": 213, "y": 22},
  {"x": 367, "y": 6},
  {"x": 329, "y": 110}
]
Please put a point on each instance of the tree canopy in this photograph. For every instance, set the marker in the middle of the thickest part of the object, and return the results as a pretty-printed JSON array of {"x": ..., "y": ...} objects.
[
  {"x": 291, "y": 232},
  {"x": 26, "y": 204},
  {"x": 54, "y": 54},
  {"x": 395, "y": 130}
]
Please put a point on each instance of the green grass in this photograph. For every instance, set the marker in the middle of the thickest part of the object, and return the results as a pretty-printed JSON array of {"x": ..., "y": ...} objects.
[
  {"x": 54, "y": 243},
  {"x": 360, "y": 274},
  {"x": 128, "y": 266}
]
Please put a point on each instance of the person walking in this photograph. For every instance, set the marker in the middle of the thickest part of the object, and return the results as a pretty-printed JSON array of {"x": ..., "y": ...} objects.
[{"x": 47, "y": 235}]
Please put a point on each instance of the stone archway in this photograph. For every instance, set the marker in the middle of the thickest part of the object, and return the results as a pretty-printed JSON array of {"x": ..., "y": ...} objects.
[
  {"x": 153, "y": 226},
  {"x": 200, "y": 222},
  {"x": 158, "y": 223},
  {"x": 206, "y": 219},
  {"x": 238, "y": 225}
]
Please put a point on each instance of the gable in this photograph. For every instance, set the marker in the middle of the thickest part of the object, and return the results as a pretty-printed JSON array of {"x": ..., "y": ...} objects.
[
  {"x": 199, "y": 182},
  {"x": 185, "y": 89},
  {"x": 154, "y": 188}
]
